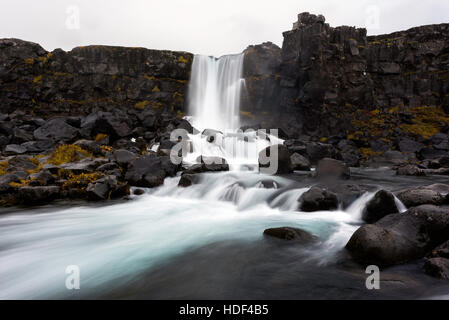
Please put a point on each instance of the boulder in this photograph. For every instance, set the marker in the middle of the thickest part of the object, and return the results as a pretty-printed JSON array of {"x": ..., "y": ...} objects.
[
  {"x": 5, "y": 181},
  {"x": 299, "y": 162},
  {"x": 408, "y": 145},
  {"x": 211, "y": 160},
  {"x": 202, "y": 168},
  {"x": 188, "y": 180},
  {"x": 437, "y": 267},
  {"x": 400, "y": 238},
  {"x": 106, "y": 188},
  {"x": 441, "y": 251},
  {"x": 38, "y": 195},
  {"x": 38, "y": 146},
  {"x": 150, "y": 171},
  {"x": 380, "y": 206},
  {"x": 14, "y": 149},
  {"x": 278, "y": 157},
  {"x": 333, "y": 169},
  {"x": 410, "y": 170},
  {"x": 42, "y": 178},
  {"x": 56, "y": 130},
  {"x": 317, "y": 199},
  {"x": 124, "y": 157},
  {"x": 291, "y": 234},
  {"x": 420, "y": 196},
  {"x": 317, "y": 151},
  {"x": 91, "y": 146}
]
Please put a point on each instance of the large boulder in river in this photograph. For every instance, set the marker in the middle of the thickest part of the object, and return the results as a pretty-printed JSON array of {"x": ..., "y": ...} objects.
[
  {"x": 402, "y": 237},
  {"x": 317, "y": 199},
  {"x": 382, "y": 204},
  {"x": 275, "y": 160},
  {"x": 290, "y": 234},
  {"x": 318, "y": 151},
  {"x": 332, "y": 169},
  {"x": 106, "y": 188},
  {"x": 300, "y": 162},
  {"x": 420, "y": 196},
  {"x": 150, "y": 171}
]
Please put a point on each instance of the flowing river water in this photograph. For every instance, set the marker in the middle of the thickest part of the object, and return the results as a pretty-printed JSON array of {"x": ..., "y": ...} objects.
[{"x": 205, "y": 241}]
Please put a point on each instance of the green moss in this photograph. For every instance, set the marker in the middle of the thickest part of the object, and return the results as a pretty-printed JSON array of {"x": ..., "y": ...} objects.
[
  {"x": 79, "y": 181},
  {"x": 428, "y": 121},
  {"x": 181, "y": 59}
]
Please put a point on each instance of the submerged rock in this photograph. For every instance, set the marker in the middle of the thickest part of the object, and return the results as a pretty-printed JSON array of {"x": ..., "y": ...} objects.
[
  {"x": 380, "y": 206},
  {"x": 317, "y": 199},
  {"x": 291, "y": 234}
]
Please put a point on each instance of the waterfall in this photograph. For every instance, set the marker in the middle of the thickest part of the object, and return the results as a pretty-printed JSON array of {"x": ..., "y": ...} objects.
[{"x": 214, "y": 92}]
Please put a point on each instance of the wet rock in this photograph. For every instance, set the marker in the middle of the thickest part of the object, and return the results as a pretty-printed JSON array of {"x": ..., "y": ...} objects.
[
  {"x": 332, "y": 169},
  {"x": 150, "y": 171},
  {"x": 275, "y": 160},
  {"x": 300, "y": 162},
  {"x": 83, "y": 166},
  {"x": 420, "y": 196},
  {"x": 202, "y": 168},
  {"x": 14, "y": 149},
  {"x": 291, "y": 234},
  {"x": 38, "y": 195},
  {"x": 5, "y": 181},
  {"x": 437, "y": 267},
  {"x": 188, "y": 180},
  {"x": 402, "y": 237},
  {"x": 138, "y": 192},
  {"x": 317, "y": 199},
  {"x": 441, "y": 251},
  {"x": 410, "y": 170},
  {"x": 380, "y": 206},
  {"x": 267, "y": 184},
  {"x": 211, "y": 160},
  {"x": 56, "y": 130}
]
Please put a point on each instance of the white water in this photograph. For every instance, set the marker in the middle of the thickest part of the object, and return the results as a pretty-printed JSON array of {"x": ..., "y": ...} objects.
[
  {"x": 214, "y": 92},
  {"x": 111, "y": 244}
]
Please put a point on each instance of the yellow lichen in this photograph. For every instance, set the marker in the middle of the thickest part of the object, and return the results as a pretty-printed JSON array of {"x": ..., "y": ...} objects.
[
  {"x": 181, "y": 59},
  {"x": 79, "y": 181},
  {"x": 3, "y": 167},
  {"x": 156, "y": 89},
  {"x": 68, "y": 153},
  {"x": 100, "y": 136},
  {"x": 29, "y": 61},
  {"x": 141, "y": 105},
  {"x": 37, "y": 79}
]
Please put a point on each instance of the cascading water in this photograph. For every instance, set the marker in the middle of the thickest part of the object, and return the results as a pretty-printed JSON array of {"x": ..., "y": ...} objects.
[
  {"x": 214, "y": 103},
  {"x": 214, "y": 92}
]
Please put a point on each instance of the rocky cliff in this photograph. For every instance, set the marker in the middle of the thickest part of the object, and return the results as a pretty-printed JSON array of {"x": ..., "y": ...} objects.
[
  {"x": 377, "y": 93},
  {"x": 90, "y": 78}
]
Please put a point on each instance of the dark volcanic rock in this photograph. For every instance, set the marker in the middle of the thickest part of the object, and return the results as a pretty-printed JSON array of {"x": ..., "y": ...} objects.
[
  {"x": 317, "y": 199},
  {"x": 410, "y": 170},
  {"x": 291, "y": 234},
  {"x": 14, "y": 149},
  {"x": 332, "y": 169},
  {"x": 380, "y": 206},
  {"x": 106, "y": 188},
  {"x": 319, "y": 151},
  {"x": 38, "y": 195},
  {"x": 401, "y": 237},
  {"x": 420, "y": 196},
  {"x": 124, "y": 157},
  {"x": 150, "y": 171},
  {"x": 188, "y": 180},
  {"x": 437, "y": 267},
  {"x": 56, "y": 130},
  {"x": 300, "y": 162}
]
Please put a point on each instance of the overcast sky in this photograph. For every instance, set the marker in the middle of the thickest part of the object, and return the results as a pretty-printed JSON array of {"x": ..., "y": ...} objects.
[{"x": 198, "y": 26}]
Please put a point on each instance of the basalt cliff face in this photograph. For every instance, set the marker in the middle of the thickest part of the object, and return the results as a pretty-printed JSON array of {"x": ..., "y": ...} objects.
[
  {"x": 90, "y": 78},
  {"x": 339, "y": 83}
]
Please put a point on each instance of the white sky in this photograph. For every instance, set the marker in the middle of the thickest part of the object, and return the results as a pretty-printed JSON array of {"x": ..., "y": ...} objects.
[{"x": 198, "y": 26}]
